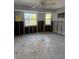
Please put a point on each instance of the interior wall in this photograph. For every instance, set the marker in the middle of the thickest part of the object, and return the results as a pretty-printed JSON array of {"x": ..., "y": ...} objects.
[
  {"x": 58, "y": 23},
  {"x": 19, "y": 14},
  {"x": 61, "y": 21},
  {"x": 40, "y": 16}
]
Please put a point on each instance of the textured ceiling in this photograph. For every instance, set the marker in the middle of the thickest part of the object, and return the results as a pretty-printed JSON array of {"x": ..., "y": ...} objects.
[{"x": 36, "y": 3}]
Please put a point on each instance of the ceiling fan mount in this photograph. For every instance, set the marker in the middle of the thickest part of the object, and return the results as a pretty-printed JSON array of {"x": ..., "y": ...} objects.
[{"x": 44, "y": 3}]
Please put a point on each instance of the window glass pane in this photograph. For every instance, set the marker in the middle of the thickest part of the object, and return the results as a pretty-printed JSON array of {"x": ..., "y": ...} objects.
[
  {"x": 33, "y": 20},
  {"x": 30, "y": 19},
  {"x": 48, "y": 16},
  {"x": 48, "y": 19},
  {"x": 48, "y": 22},
  {"x": 33, "y": 16},
  {"x": 27, "y": 16},
  {"x": 27, "y": 22}
]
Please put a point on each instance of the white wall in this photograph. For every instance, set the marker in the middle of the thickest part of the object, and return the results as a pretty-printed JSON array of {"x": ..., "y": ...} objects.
[
  {"x": 59, "y": 20},
  {"x": 41, "y": 16},
  {"x": 61, "y": 10}
]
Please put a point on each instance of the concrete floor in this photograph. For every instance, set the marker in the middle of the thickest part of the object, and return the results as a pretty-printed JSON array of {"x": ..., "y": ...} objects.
[{"x": 39, "y": 46}]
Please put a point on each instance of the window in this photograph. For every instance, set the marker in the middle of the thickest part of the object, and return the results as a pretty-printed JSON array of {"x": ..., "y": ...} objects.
[
  {"x": 48, "y": 18},
  {"x": 33, "y": 19},
  {"x": 30, "y": 19}
]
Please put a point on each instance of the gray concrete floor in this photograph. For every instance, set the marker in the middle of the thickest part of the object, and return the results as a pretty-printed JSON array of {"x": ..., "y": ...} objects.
[{"x": 39, "y": 46}]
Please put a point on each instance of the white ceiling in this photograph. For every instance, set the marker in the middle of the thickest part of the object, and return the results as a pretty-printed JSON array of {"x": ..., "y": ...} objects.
[{"x": 58, "y": 3}]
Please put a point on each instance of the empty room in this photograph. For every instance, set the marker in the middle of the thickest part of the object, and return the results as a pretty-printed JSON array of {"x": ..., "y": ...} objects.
[{"x": 39, "y": 29}]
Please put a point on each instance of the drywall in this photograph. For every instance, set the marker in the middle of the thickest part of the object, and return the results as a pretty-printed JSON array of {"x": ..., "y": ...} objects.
[
  {"x": 40, "y": 17},
  {"x": 18, "y": 13},
  {"x": 61, "y": 21}
]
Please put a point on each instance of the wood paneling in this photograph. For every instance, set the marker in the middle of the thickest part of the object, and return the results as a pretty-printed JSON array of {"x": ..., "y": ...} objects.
[
  {"x": 40, "y": 26},
  {"x": 19, "y": 28},
  {"x": 16, "y": 28}
]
